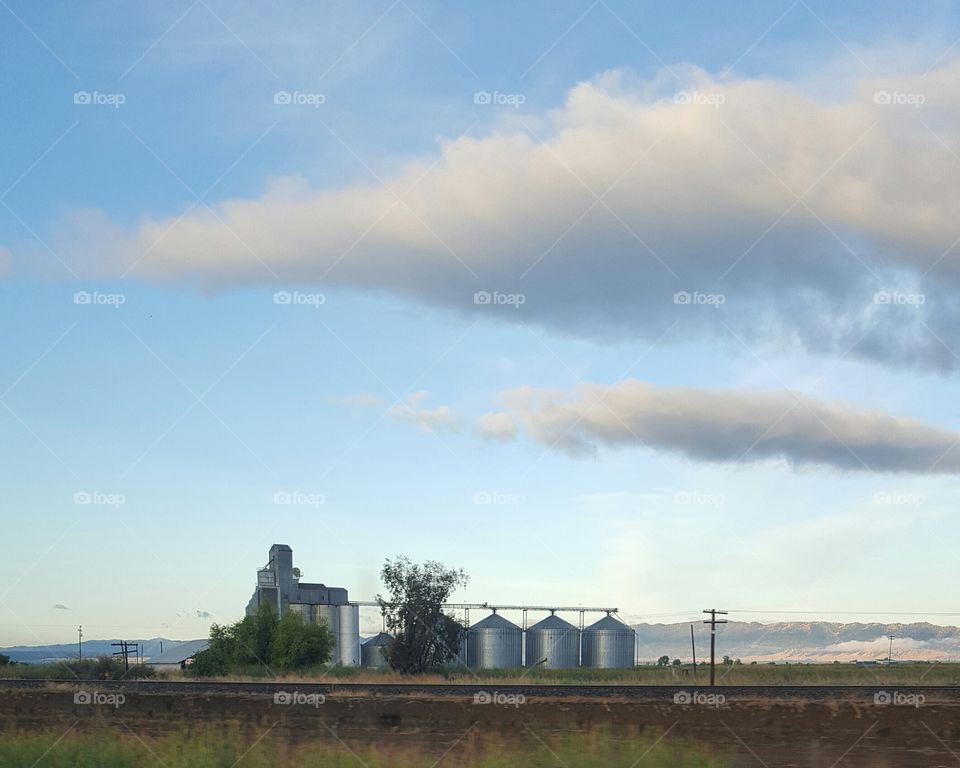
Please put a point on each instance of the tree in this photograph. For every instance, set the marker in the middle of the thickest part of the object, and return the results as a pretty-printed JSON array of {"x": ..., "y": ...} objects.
[
  {"x": 4, "y": 660},
  {"x": 425, "y": 637},
  {"x": 663, "y": 661},
  {"x": 727, "y": 661},
  {"x": 297, "y": 644},
  {"x": 262, "y": 641},
  {"x": 676, "y": 662}
]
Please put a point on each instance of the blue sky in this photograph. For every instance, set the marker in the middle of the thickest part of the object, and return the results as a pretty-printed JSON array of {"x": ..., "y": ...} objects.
[{"x": 184, "y": 398}]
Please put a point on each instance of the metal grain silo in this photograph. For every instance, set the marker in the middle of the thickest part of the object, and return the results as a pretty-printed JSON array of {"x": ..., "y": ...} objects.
[
  {"x": 330, "y": 615},
  {"x": 349, "y": 644},
  {"x": 608, "y": 644},
  {"x": 554, "y": 642},
  {"x": 373, "y": 650},
  {"x": 494, "y": 643}
]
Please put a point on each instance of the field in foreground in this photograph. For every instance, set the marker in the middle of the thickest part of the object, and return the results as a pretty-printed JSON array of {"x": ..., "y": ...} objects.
[
  {"x": 105, "y": 724},
  {"x": 115, "y": 749}
]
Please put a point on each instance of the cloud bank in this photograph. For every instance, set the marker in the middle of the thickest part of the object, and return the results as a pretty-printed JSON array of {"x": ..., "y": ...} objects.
[
  {"x": 741, "y": 207},
  {"x": 731, "y": 427}
]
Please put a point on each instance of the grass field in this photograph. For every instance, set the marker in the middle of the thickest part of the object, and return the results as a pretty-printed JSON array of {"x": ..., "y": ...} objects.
[
  {"x": 115, "y": 749},
  {"x": 779, "y": 674}
]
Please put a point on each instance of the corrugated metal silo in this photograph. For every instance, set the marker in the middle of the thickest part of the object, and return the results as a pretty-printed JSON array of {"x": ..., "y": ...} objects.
[
  {"x": 608, "y": 644},
  {"x": 373, "y": 649},
  {"x": 494, "y": 643},
  {"x": 330, "y": 614},
  {"x": 349, "y": 635},
  {"x": 554, "y": 642}
]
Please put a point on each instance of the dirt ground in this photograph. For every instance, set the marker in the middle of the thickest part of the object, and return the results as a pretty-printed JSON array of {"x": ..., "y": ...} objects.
[{"x": 855, "y": 732}]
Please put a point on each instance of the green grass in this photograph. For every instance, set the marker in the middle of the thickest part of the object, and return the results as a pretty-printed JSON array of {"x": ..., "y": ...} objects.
[
  {"x": 114, "y": 749},
  {"x": 761, "y": 674}
]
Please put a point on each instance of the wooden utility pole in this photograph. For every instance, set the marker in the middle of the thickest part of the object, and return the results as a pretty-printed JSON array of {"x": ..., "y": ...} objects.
[
  {"x": 80, "y": 642},
  {"x": 713, "y": 621},
  {"x": 693, "y": 648}
]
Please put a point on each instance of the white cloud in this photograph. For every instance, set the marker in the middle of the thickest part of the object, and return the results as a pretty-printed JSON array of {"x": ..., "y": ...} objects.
[
  {"x": 428, "y": 419},
  {"x": 731, "y": 426},
  {"x": 698, "y": 197},
  {"x": 497, "y": 426},
  {"x": 358, "y": 400}
]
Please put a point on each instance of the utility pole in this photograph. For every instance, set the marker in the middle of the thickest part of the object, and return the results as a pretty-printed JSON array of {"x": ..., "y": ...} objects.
[
  {"x": 693, "y": 647},
  {"x": 890, "y": 652},
  {"x": 713, "y": 621},
  {"x": 80, "y": 642}
]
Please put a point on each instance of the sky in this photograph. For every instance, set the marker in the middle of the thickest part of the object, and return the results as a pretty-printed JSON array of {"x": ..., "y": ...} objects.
[{"x": 609, "y": 304}]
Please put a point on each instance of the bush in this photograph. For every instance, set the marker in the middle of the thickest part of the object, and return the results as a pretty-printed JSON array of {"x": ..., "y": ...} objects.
[{"x": 259, "y": 643}]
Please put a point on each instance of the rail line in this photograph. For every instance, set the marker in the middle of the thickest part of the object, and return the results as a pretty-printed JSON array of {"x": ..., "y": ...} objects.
[{"x": 880, "y": 694}]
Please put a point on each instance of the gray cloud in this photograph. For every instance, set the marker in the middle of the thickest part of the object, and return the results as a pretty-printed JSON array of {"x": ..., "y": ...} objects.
[
  {"x": 729, "y": 426},
  {"x": 699, "y": 197}
]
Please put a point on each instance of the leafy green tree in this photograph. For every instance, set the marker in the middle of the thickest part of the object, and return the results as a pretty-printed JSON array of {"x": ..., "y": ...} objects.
[
  {"x": 297, "y": 644},
  {"x": 663, "y": 661},
  {"x": 4, "y": 660},
  {"x": 262, "y": 641},
  {"x": 425, "y": 637},
  {"x": 676, "y": 662}
]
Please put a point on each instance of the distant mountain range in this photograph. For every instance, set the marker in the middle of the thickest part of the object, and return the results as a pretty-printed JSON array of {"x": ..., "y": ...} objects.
[
  {"x": 813, "y": 642},
  {"x": 817, "y": 641},
  {"x": 41, "y": 654}
]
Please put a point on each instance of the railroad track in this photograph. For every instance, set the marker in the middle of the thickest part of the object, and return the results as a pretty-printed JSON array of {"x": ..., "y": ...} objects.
[{"x": 941, "y": 694}]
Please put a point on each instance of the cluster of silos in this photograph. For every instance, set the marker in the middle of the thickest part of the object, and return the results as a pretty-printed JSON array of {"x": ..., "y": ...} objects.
[
  {"x": 344, "y": 622},
  {"x": 495, "y": 643}
]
